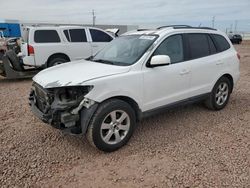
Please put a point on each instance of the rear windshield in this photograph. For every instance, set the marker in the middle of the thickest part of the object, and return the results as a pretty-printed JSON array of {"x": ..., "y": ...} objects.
[{"x": 46, "y": 36}]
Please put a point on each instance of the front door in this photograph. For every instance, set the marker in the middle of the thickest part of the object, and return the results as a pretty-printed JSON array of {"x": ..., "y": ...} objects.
[{"x": 167, "y": 84}]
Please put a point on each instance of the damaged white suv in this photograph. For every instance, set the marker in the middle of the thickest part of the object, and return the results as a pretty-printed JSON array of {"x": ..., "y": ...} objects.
[{"x": 136, "y": 75}]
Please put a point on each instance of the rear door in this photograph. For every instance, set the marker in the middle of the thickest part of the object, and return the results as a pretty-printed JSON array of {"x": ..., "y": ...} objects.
[
  {"x": 99, "y": 39},
  {"x": 79, "y": 46},
  {"x": 44, "y": 41},
  {"x": 206, "y": 64}
]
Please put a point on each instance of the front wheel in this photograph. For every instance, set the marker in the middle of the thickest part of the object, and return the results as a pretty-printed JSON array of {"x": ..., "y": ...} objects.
[
  {"x": 220, "y": 94},
  {"x": 112, "y": 125}
]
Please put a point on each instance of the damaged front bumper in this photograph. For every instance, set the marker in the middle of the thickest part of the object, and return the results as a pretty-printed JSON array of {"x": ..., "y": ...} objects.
[{"x": 61, "y": 115}]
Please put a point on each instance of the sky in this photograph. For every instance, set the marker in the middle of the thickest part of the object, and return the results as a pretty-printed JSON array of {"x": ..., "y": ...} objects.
[{"x": 145, "y": 13}]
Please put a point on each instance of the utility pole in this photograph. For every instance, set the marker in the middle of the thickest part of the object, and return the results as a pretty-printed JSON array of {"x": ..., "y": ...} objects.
[
  {"x": 235, "y": 26},
  {"x": 231, "y": 28},
  {"x": 94, "y": 17},
  {"x": 213, "y": 21}
]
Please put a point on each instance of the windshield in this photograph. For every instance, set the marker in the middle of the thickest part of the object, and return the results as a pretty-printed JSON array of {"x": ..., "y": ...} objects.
[{"x": 125, "y": 50}]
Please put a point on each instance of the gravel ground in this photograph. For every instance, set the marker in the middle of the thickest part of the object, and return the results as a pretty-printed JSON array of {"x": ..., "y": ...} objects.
[{"x": 186, "y": 147}]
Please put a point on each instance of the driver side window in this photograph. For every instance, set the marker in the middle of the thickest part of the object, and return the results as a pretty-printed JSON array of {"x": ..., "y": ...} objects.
[{"x": 173, "y": 47}]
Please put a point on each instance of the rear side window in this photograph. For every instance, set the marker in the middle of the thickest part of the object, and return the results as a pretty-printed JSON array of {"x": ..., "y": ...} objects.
[
  {"x": 211, "y": 45},
  {"x": 199, "y": 46},
  {"x": 173, "y": 47},
  {"x": 221, "y": 42},
  {"x": 46, "y": 36},
  {"x": 99, "y": 36},
  {"x": 78, "y": 35}
]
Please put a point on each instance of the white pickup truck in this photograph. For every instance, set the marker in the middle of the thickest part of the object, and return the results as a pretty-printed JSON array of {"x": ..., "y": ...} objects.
[{"x": 48, "y": 46}]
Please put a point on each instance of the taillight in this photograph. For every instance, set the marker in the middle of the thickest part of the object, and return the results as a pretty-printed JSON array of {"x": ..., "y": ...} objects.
[
  {"x": 238, "y": 55},
  {"x": 31, "y": 50}
]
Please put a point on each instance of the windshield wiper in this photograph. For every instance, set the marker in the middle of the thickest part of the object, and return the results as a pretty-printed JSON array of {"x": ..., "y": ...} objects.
[
  {"x": 89, "y": 58},
  {"x": 103, "y": 61}
]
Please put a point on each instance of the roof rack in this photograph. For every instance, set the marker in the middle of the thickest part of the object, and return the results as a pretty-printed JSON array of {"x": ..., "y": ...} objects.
[
  {"x": 209, "y": 28},
  {"x": 175, "y": 26},
  {"x": 143, "y": 29},
  {"x": 185, "y": 27}
]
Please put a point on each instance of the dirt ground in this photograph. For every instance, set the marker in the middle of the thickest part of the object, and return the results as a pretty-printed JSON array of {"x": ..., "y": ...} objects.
[{"x": 185, "y": 147}]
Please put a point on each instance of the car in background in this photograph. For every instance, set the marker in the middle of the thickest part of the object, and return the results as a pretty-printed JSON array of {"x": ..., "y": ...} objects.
[
  {"x": 235, "y": 38},
  {"x": 48, "y": 46}
]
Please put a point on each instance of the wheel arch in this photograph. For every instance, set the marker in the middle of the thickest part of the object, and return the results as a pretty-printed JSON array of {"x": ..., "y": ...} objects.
[
  {"x": 132, "y": 103},
  {"x": 230, "y": 78},
  {"x": 55, "y": 55}
]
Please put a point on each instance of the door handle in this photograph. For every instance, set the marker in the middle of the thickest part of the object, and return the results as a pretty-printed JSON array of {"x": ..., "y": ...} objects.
[
  {"x": 219, "y": 62},
  {"x": 183, "y": 72},
  {"x": 95, "y": 46}
]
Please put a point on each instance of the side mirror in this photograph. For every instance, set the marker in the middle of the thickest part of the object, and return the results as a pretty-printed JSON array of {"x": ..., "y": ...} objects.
[{"x": 160, "y": 60}]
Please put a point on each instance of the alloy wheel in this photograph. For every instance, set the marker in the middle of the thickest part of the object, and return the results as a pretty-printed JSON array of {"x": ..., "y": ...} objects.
[
  {"x": 221, "y": 93},
  {"x": 115, "y": 127}
]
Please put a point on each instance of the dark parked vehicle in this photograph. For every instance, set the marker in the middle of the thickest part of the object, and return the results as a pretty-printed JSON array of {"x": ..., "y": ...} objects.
[{"x": 236, "y": 38}]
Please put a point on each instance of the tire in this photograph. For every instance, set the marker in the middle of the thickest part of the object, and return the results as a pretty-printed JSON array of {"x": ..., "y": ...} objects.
[
  {"x": 220, "y": 94},
  {"x": 14, "y": 60},
  {"x": 105, "y": 131},
  {"x": 1, "y": 55},
  {"x": 56, "y": 61}
]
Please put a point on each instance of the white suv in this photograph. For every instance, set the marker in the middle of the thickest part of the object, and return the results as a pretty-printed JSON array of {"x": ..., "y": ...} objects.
[
  {"x": 49, "y": 46},
  {"x": 136, "y": 75}
]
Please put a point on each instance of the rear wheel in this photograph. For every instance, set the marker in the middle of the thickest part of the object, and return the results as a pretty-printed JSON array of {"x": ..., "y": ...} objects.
[
  {"x": 219, "y": 97},
  {"x": 57, "y": 61},
  {"x": 112, "y": 125},
  {"x": 1, "y": 54}
]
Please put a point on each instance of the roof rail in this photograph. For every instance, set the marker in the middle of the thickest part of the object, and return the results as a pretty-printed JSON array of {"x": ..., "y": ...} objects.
[
  {"x": 185, "y": 27},
  {"x": 175, "y": 26},
  {"x": 209, "y": 28},
  {"x": 142, "y": 29}
]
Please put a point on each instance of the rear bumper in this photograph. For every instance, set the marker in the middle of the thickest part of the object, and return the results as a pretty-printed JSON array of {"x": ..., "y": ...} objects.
[
  {"x": 29, "y": 60},
  {"x": 236, "y": 77}
]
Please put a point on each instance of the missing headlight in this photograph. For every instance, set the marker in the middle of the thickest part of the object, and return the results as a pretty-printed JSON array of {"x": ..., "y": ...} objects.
[{"x": 76, "y": 93}]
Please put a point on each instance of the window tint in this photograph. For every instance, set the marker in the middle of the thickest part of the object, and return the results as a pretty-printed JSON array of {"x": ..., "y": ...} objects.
[
  {"x": 99, "y": 36},
  {"x": 211, "y": 45},
  {"x": 221, "y": 42},
  {"x": 173, "y": 47},
  {"x": 66, "y": 33},
  {"x": 46, "y": 36},
  {"x": 78, "y": 35},
  {"x": 198, "y": 45}
]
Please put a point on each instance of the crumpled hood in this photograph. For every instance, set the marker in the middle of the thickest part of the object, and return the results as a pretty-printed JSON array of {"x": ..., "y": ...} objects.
[{"x": 76, "y": 73}]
